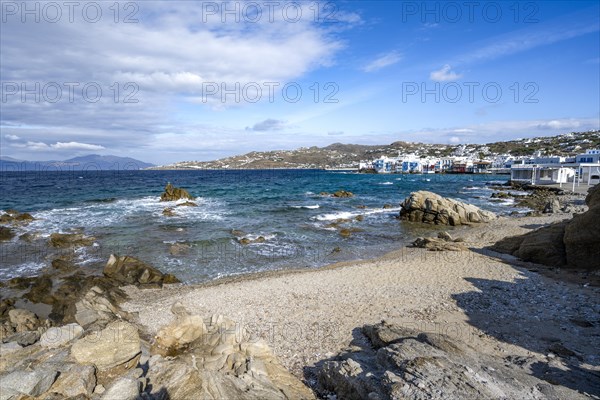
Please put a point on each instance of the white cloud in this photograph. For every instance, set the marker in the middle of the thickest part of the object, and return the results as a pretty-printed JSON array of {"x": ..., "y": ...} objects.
[
  {"x": 11, "y": 137},
  {"x": 75, "y": 146},
  {"x": 268, "y": 125},
  {"x": 383, "y": 61},
  {"x": 454, "y": 139},
  {"x": 444, "y": 74},
  {"x": 560, "y": 124},
  {"x": 335, "y": 133}
]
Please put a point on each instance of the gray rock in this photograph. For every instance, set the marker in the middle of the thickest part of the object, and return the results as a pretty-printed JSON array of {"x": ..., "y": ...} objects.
[
  {"x": 75, "y": 380},
  {"x": 126, "y": 388},
  {"x": 31, "y": 383},
  {"x": 10, "y": 347},
  {"x": 552, "y": 207},
  {"x": 58, "y": 336},
  {"x": 403, "y": 363}
]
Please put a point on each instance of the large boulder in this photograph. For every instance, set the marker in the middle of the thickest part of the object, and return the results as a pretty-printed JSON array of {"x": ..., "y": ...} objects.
[
  {"x": 131, "y": 271},
  {"x": 569, "y": 244},
  {"x": 404, "y": 363},
  {"x": 582, "y": 235},
  {"x": 172, "y": 193},
  {"x": 431, "y": 208},
  {"x": 117, "y": 344},
  {"x": 59, "y": 336}
]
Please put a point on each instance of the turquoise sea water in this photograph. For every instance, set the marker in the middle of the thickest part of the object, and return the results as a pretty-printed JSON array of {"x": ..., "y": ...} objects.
[{"x": 121, "y": 209}]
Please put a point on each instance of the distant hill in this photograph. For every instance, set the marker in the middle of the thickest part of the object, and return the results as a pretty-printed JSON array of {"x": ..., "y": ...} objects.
[
  {"x": 92, "y": 162},
  {"x": 339, "y": 155}
]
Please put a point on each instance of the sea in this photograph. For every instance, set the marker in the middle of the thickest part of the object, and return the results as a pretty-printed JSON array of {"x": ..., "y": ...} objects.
[{"x": 123, "y": 212}]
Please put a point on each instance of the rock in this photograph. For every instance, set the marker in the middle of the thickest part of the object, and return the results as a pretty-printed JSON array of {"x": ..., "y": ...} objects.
[
  {"x": 347, "y": 232},
  {"x": 178, "y": 335},
  {"x": 387, "y": 206},
  {"x": 404, "y": 363},
  {"x": 432, "y": 208},
  {"x": 343, "y": 193},
  {"x": 26, "y": 338},
  {"x": 172, "y": 193},
  {"x": 10, "y": 347},
  {"x": 29, "y": 236},
  {"x": 245, "y": 240},
  {"x": 359, "y": 218},
  {"x": 115, "y": 345},
  {"x": 23, "y": 320},
  {"x": 209, "y": 358},
  {"x": 30, "y": 383},
  {"x": 131, "y": 271},
  {"x": 63, "y": 265},
  {"x": 569, "y": 244},
  {"x": 187, "y": 204},
  {"x": 437, "y": 244},
  {"x": 445, "y": 236},
  {"x": 24, "y": 217},
  {"x": 178, "y": 249},
  {"x": 6, "y": 233},
  {"x": 58, "y": 336},
  {"x": 168, "y": 212},
  {"x": 552, "y": 207},
  {"x": 96, "y": 306},
  {"x": 582, "y": 235},
  {"x": 500, "y": 195},
  {"x": 75, "y": 380},
  {"x": 66, "y": 240},
  {"x": 126, "y": 388},
  {"x": 238, "y": 233}
]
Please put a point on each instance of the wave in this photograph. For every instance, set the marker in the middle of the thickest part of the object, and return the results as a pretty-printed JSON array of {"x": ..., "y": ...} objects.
[
  {"x": 313, "y": 207},
  {"x": 386, "y": 183}
]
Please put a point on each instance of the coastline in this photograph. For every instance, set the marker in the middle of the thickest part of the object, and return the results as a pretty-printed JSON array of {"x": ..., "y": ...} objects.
[{"x": 308, "y": 316}]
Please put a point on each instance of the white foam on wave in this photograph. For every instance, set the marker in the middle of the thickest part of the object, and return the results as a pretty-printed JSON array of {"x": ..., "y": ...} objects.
[
  {"x": 386, "y": 183},
  {"x": 114, "y": 213},
  {"x": 350, "y": 215},
  {"x": 313, "y": 207},
  {"x": 26, "y": 269}
]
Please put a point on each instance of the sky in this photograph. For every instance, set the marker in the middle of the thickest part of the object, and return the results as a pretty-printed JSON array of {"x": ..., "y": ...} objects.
[{"x": 168, "y": 81}]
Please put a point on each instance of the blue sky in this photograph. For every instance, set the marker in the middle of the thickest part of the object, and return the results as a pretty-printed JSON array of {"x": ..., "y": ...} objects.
[{"x": 369, "y": 72}]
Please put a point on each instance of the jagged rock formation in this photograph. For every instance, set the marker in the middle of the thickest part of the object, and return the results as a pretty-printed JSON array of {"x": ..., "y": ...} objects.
[
  {"x": 130, "y": 270},
  {"x": 431, "y": 208},
  {"x": 106, "y": 355},
  {"x": 443, "y": 242},
  {"x": 403, "y": 363},
  {"x": 172, "y": 193},
  {"x": 573, "y": 243}
]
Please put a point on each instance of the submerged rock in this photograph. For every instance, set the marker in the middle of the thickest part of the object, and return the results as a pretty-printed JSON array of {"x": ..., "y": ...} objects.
[
  {"x": 343, "y": 193},
  {"x": 172, "y": 193},
  {"x": 6, "y": 233},
  {"x": 65, "y": 240},
  {"x": 431, "y": 208}
]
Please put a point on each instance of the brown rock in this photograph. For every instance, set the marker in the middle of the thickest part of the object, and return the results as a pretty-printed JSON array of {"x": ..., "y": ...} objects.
[
  {"x": 168, "y": 212},
  {"x": 428, "y": 207},
  {"x": 65, "y": 240},
  {"x": 172, "y": 193},
  {"x": 131, "y": 271},
  {"x": 6, "y": 233},
  {"x": 343, "y": 193}
]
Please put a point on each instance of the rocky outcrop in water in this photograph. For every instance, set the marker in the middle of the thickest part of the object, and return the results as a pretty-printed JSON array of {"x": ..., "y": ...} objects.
[
  {"x": 172, "y": 193},
  {"x": 66, "y": 240},
  {"x": 131, "y": 271},
  {"x": 573, "y": 243},
  {"x": 403, "y": 363},
  {"x": 431, "y": 208}
]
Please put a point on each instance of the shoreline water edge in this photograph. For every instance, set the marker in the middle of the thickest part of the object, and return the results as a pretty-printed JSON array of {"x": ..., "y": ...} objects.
[{"x": 444, "y": 304}]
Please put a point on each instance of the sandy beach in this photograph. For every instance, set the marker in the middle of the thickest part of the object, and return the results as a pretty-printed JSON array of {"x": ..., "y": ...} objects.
[{"x": 497, "y": 304}]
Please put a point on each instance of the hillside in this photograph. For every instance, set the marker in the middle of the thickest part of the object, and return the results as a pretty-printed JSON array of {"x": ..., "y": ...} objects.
[
  {"x": 340, "y": 155},
  {"x": 92, "y": 162}
]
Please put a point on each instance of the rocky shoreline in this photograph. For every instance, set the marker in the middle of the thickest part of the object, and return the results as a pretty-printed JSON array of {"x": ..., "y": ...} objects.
[{"x": 132, "y": 332}]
